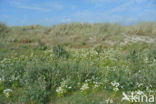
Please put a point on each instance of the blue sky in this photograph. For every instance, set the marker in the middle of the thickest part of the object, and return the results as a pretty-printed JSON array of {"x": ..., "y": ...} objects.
[{"x": 48, "y": 12}]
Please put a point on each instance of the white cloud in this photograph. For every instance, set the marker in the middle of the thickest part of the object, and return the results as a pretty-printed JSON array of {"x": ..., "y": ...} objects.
[
  {"x": 44, "y": 7},
  {"x": 100, "y": 3},
  {"x": 132, "y": 5},
  {"x": 66, "y": 20},
  {"x": 34, "y": 8},
  {"x": 22, "y": 5}
]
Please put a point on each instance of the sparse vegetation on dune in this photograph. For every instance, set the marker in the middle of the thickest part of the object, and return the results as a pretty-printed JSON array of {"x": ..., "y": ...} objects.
[
  {"x": 77, "y": 63},
  {"x": 78, "y": 34}
]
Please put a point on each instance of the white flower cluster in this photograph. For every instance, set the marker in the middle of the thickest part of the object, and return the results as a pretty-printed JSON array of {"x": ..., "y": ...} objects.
[
  {"x": 88, "y": 81},
  {"x": 84, "y": 87},
  {"x": 115, "y": 85},
  {"x": 60, "y": 90},
  {"x": 109, "y": 101},
  {"x": 96, "y": 85},
  {"x": 7, "y": 92},
  {"x": 63, "y": 88}
]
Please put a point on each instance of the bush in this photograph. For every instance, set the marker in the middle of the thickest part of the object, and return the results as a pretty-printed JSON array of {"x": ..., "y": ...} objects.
[
  {"x": 3, "y": 29},
  {"x": 60, "y": 51},
  {"x": 42, "y": 45}
]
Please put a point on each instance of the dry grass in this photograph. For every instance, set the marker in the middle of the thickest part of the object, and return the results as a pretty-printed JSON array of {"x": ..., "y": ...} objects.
[{"x": 78, "y": 34}]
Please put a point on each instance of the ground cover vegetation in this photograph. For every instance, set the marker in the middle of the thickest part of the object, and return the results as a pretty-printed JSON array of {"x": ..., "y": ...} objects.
[{"x": 77, "y": 63}]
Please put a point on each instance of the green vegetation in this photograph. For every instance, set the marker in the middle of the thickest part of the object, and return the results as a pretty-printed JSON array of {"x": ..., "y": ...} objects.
[
  {"x": 3, "y": 29},
  {"x": 76, "y": 63}
]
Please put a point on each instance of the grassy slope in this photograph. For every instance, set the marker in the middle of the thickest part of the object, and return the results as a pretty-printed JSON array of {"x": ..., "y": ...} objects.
[
  {"x": 75, "y": 35},
  {"x": 25, "y": 40}
]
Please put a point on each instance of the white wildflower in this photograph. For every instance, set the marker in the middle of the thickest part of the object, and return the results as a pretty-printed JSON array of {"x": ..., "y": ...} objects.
[
  {"x": 7, "y": 92},
  {"x": 109, "y": 101},
  {"x": 96, "y": 85},
  {"x": 88, "y": 80},
  {"x": 115, "y": 84},
  {"x": 59, "y": 90},
  {"x": 84, "y": 87},
  {"x": 146, "y": 59},
  {"x": 69, "y": 87},
  {"x": 115, "y": 89}
]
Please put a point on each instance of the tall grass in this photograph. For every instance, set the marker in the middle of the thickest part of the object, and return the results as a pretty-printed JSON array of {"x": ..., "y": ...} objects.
[{"x": 37, "y": 78}]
